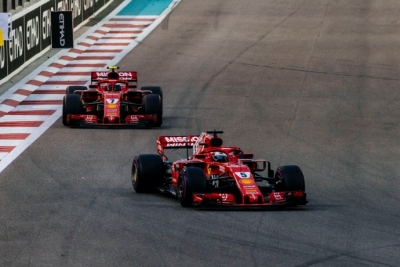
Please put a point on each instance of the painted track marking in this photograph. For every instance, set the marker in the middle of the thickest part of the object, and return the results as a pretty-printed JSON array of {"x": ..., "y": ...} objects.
[{"x": 30, "y": 107}]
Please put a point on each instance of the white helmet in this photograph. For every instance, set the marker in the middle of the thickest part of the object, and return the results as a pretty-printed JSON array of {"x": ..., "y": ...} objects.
[{"x": 220, "y": 157}]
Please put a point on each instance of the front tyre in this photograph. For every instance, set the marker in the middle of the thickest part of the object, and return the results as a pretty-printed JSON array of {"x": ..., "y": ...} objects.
[
  {"x": 192, "y": 181},
  {"x": 73, "y": 88},
  {"x": 64, "y": 114},
  {"x": 155, "y": 90},
  {"x": 289, "y": 178},
  {"x": 147, "y": 172},
  {"x": 153, "y": 106},
  {"x": 71, "y": 106}
]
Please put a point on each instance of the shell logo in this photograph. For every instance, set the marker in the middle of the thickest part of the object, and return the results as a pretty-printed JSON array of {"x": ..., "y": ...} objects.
[{"x": 246, "y": 181}]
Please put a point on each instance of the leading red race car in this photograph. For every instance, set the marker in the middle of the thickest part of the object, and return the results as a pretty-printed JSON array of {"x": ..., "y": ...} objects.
[
  {"x": 113, "y": 99},
  {"x": 217, "y": 175}
]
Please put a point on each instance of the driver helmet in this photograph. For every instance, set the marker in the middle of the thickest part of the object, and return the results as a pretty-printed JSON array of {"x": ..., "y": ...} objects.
[
  {"x": 109, "y": 87},
  {"x": 220, "y": 157}
]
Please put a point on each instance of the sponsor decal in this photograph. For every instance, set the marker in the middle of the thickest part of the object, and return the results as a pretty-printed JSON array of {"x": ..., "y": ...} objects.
[
  {"x": 246, "y": 181},
  {"x": 87, "y": 8},
  {"x": 243, "y": 175},
  {"x": 2, "y": 57},
  {"x": 249, "y": 186},
  {"x": 90, "y": 118},
  {"x": 87, "y": 4},
  {"x": 32, "y": 33},
  {"x": 250, "y": 191},
  {"x": 223, "y": 198},
  {"x": 101, "y": 74},
  {"x": 63, "y": 5},
  {"x": 62, "y": 35},
  {"x": 214, "y": 183},
  {"x": 214, "y": 176},
  {"x": 124, "y": 74},
  {"x": 180, "y": 139},
  {"x": 61, "y": 25},
  {"x": 46, "y": 23},
  {"x": 16, "y": 48},
  {"x": 112, "y": 105},
  {"x": 112, "y": 101},
  {"x": 76, "y": 7},
  {"x": 277, "y": 196},
  {"x": 44, "y": 14},
  {"x": 175, "y": 144},
  {"x": 16, "y": 52}
]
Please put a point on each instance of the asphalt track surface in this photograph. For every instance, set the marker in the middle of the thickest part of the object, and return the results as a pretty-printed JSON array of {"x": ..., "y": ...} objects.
[{"x": 311, "y": 83}]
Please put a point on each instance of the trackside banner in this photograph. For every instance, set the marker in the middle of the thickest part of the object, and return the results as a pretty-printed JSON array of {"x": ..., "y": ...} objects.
[
  {"x": 31, "y": 30},
  {"x": 62, "y": 34}
]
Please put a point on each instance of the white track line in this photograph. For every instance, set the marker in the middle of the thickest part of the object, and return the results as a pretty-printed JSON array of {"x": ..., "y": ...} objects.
[{"x": 31, "y": 90}]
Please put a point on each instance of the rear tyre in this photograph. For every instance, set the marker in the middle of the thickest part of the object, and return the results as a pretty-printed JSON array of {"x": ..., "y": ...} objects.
[
  {"x": 147, "y": 172},
  {"x": 289, "y": 178},
  {"x": 152, "y": 105},
  {"x": 71, "y": 105},
  {"x": 193, "y": 181},
  {"x": 71, "y": 89}
]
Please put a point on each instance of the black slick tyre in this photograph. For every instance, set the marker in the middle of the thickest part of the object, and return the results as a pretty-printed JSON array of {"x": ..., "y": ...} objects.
[
  {"x": 155, "y": 90},
  {"x": 158, "y": 91},
  {"x": 147, "y": 172},
  {"x": 71, "y": 105},
  {"x": 289, "y": 178},
  {"x": 152, "y": 106},
  {"x": 64, "y": 113},
  {"x": 192, "y": 181},
  {"x": 72, "y": 89}
]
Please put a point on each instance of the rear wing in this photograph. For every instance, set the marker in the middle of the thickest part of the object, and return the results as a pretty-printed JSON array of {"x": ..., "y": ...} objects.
[
  {"x": 128, "y": 76},
  {"x": 176, "y": 141}
]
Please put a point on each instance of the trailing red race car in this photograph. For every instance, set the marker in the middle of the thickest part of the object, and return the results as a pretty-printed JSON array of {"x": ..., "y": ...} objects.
[
  {"x": 217, "y": 175},
  {"x": 113, "y": 99}
]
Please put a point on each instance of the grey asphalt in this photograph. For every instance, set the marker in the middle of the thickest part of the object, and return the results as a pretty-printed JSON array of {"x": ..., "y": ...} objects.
[{"x": 311, "y": 83}]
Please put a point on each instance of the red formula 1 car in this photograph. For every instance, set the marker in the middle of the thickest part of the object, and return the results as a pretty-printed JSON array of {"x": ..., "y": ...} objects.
[
  {"x": 113, "y": 99},
  {"x": 216, "y": 175}
]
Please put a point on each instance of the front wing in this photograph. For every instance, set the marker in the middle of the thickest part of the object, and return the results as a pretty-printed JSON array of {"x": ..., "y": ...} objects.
[
  {"x": 275, "y": 199},
  {"x": 93, "y": 120}
]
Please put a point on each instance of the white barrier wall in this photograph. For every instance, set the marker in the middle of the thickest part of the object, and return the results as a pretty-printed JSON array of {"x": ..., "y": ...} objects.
[{"x": 31, "y": 31}]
